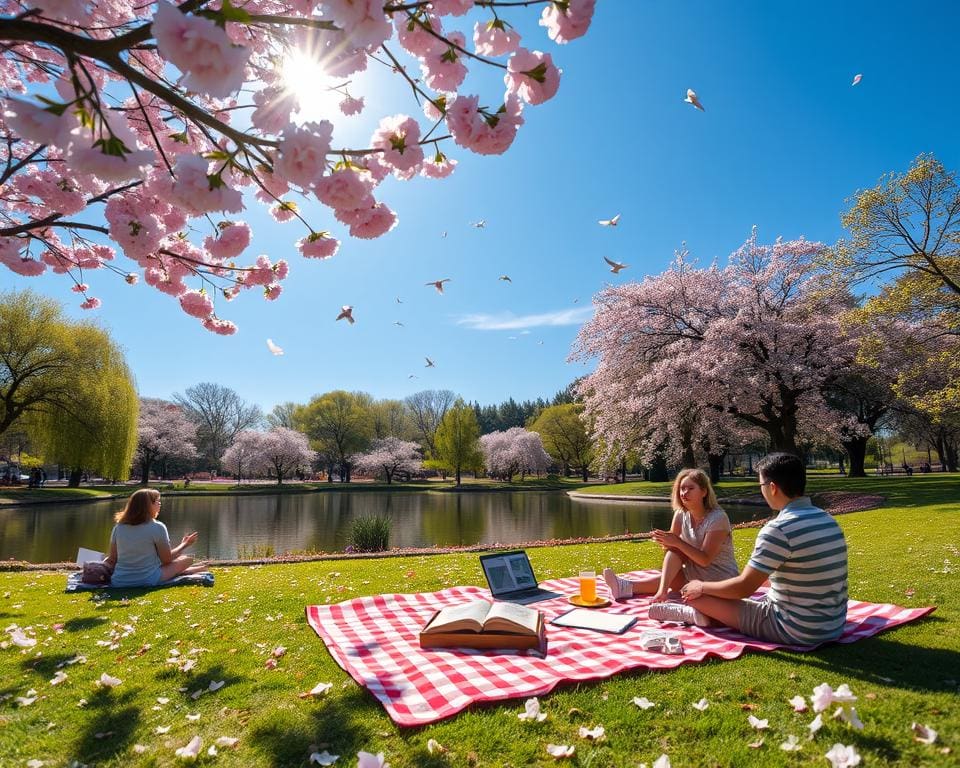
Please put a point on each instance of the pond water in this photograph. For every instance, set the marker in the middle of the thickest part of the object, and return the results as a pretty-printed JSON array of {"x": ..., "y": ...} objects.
[{"x": 252, "y": 526}]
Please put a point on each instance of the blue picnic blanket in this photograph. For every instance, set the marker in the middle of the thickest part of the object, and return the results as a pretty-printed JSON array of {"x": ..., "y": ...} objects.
[{"x": 203, "y": 579}]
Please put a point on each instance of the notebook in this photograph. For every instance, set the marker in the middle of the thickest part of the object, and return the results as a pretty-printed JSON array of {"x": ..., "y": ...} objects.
[
  {"x": 510, "y": 577},
  {"x": 584, "y": 618}
]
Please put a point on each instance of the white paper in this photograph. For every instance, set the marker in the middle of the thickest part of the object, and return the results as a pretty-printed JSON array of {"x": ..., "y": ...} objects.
[
  {"x": 86, "y": 555},
  {"x": 585, "y": 618}
]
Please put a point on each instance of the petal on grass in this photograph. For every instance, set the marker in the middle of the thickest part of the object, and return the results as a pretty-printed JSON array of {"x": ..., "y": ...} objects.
[
  {"x": 435, "y": 747},
  {"x": 799, "y": 704},
  {"x": 792, "y": 744},
  {"x": 323, "y": 758},
  {"x": 701, "y": 705},
  {"x": 643, "y": 702},
  {"x": 841, "y": 756},
  {"x": 923, "y": 733},
  {"x": 595, "y": 734},
  {"x": 757, "y": 723},
  {"x": 108, "y": 681},
  {"x": 318, "y": 690},
  {"x": 560, "y": 751},
  {"x": 190, "y": 750}
]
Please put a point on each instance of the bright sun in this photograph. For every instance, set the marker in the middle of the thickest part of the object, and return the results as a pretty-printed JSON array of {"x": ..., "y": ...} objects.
[{"x": 305, "y": 77}]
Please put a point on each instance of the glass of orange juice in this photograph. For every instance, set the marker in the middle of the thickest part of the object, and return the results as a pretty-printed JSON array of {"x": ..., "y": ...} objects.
[{"x": 588, "y": 586}]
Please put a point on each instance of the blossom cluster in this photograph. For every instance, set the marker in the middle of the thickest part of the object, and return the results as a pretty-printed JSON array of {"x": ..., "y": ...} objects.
[{"x": 178, "y": 116}]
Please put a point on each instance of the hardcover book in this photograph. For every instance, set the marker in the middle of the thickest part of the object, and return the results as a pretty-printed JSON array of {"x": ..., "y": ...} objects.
[{"x": 481, "y": 624}]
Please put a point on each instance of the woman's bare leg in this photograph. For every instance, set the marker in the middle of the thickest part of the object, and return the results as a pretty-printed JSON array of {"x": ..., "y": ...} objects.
[
  {"x": 183, "y": 565},
  {"x": 671, "y": 575}
]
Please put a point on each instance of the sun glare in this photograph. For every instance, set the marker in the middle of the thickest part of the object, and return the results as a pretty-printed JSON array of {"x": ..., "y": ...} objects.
[{"x": 315, "y": 91}]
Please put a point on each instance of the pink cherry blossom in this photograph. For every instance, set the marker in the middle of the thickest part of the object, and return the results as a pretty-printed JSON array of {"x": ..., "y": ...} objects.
[
  {"x": 303, "y": 152},
  {"x": 532, "y": 76},
  {"x": 438, "y": 167},
  {"x": 218, "y": 326},
  {"x": 318, "y": 245},
  {"x": 398, "y": 137},
  {"x": 198, "y": 191},
  {"x": 414, "y": 33},
  {"x": 363, "y": 21},
  {"x": 80, "y": 288},
  {"x": 90, "y": 303},
  {"x": 568, "y": 21},
  {"x": 443, "y": 69},
  {"x": 201, "y": 50},
  {"x": 274, "y": 106},
  {"x": 484, "y": 133},
  {"x": 452, "y": 7},
  {"x": 34, "y": 123},
  {"x": 494, "y": 38},
  {"x": 197, "y": 304},
  {"x": 347, "y": 187},
  {"x": 368, "y": 223},
  {"x": 351, "y": 106},
  {"x": 233, "y": 239}
]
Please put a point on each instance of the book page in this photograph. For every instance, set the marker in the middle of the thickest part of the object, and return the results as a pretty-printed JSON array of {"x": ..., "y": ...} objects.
[
  {"x": 86, "y": 555},
  {"x": 585, "y": 618},
  {"x": 460, "y": 618},
  {"x": 510, "y": 617}
]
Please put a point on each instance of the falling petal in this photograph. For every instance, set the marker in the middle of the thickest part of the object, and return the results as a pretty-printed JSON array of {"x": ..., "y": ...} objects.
[
  {"x": 643, "y": 702},
  {"x": 701, "y": 705},
  {"x": 559, "y": 751},
  {"x": 109, "y": 682},
  {"x": 757, "y": 723},
  {"x": 856, "y": 79},
  {"x": 191, "y": 750},
  {"x": 596, "y": 734},
  {"x": 841, "y": 756},
  {"x": 323, "y": 758},
  {"x": 792, "y": 744},
  {"x": 923, "y": 733},
  {"x": 815, "y": 725},
  {"x": 799, "y": 704},
  {"x": 435, "y": 747}
]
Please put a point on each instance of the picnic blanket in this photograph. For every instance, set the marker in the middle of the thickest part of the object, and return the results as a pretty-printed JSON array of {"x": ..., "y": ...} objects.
[
  {"x": 203, "y": 579},
  {"x": 375, "y": 640}
]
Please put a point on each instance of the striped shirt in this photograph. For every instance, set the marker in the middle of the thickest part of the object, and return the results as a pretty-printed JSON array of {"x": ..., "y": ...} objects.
[{"x": 805, "y": 554}]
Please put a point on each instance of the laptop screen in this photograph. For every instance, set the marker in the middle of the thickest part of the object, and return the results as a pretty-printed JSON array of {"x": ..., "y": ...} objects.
[{"x": 508, "y": 572}]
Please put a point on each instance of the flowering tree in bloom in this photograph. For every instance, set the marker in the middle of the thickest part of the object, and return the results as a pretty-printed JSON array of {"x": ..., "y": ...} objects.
[
  {"x": 388, "y": 456},
  {"x": 163, "y": 430},
  {"x": 755, "y": 341},
  {"x": 171, "y": 119},
  {"x": 513, "y": 451},
  {"x": 277, "y": 452}
]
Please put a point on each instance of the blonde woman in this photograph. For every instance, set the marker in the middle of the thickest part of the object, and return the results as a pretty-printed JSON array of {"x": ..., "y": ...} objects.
[
  {"x": 140, "y": 550},
  {"x": 697, "y": 546}
]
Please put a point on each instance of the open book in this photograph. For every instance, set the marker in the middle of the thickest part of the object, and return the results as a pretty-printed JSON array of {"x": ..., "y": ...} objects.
[{"x": 481, "y": 616}]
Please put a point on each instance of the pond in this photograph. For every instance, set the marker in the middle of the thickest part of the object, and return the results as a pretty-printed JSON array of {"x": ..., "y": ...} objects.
[{"x": 255, "y": 526}]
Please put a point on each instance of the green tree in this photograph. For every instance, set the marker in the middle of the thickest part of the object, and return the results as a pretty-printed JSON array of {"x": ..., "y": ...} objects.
[
  {"x": 456, "y": 439},
  {"x": 103, "y": 437},
  {"x": 339, "y": 424},
  {"x": 66, "y": 383},
  {"x": 565, "y": 437}
]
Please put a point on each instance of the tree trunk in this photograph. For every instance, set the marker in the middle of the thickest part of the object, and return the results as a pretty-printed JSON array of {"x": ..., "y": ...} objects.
[
  {"x": 840, "y": 462},
  {"x": 658, "y": 470},
  {"x": 144, "y": 472},
  {"x": 716, "y": 465},
  {"x": 389, "y": 475},
  {"x": 585, "y": 473},
  {"x": 75, "y": 474},
  {"x": 951, "y": 457},
  {"x": 856, "y": 449},
  {"x": 623, "y": 469},
  {"x": 458, "y": 475}
]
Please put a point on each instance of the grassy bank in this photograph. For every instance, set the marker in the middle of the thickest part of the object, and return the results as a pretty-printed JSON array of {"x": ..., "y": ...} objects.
[{"x": 904, "y": 553}]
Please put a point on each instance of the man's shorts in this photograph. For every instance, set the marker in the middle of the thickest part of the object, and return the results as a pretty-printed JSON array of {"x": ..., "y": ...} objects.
[{"x": 757, "y": 619}]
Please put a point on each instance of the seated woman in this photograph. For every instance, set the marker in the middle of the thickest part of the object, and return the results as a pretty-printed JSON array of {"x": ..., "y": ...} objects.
[
  {"x": 140, "y": 550},
  {"x": 697, "y": 546}
]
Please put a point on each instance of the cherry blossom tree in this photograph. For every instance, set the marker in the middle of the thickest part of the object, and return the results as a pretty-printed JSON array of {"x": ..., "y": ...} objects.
[
  {"x": 147, "y": 129},
  {"x": 513, "y": 451},
  {"x": 244, "y": 454},
  {"x": 284, "y": 450},
  {"x": 163, "y": 430},
  {"x": 755, "y": 341},
  {"x": 388, "y": 456}
]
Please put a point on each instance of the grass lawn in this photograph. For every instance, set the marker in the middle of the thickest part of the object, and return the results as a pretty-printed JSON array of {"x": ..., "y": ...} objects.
[{"x": 905, "y": 552}]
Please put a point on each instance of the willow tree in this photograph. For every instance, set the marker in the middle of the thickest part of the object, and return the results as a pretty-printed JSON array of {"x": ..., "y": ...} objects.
[
  {"x": 339, "y": 425},
  {"x": 67, "y": 384},
  {"x": 101, "y": 436},
  {"x": 565, "y": 437},
  {"x": 456, "y": 440}
]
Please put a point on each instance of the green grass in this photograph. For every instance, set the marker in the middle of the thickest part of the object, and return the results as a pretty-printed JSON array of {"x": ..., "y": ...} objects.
[{"x": 904, "y": 553}]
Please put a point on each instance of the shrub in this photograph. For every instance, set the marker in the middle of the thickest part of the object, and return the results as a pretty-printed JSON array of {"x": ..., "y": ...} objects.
[{"x": 370, "y": 534}]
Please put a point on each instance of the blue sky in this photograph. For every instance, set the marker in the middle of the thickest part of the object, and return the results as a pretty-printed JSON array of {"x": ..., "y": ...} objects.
[{"x": 785, "y": 139}]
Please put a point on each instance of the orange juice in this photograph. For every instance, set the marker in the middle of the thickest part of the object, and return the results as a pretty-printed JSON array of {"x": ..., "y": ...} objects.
[{"x": 588, "y": 586}]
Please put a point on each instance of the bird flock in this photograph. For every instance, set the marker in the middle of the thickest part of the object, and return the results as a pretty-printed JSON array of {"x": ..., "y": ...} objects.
[{"x": 346, "y": 311}]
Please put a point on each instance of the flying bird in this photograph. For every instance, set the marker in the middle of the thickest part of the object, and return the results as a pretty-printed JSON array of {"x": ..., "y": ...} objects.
[
  {"x": 429, "y": 363},
  {"x": 274, "y": 348},
  {"x": 397, "y": 322},
  {"x": 615, "y": 266},
  {"x": 346, "y": 313},
  {"x": 540, "y": 342},
  {"x": 413, "y": 376},
  {"x": 479, "y": 224},
  {"x": 856, "y": 79},
  {"x": 505, "y": 278},
  {"x": 399, "y": 300},
  {"x": 443, "y": 234},
  {"x": 610, "y": 222},
  {"x": 692, "y": 99},
  {"x": 576, "y": 300},
  {"x": 438, "y": 284}
]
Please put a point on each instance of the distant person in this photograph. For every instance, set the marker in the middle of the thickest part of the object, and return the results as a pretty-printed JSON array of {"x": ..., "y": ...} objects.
[
  {"x": 140, "y": 550},
  {"x": 804, "y": 554},
  {"x": 697, "y": 546}
]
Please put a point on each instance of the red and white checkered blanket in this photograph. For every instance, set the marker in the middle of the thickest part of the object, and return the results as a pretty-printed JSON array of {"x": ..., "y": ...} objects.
[{"x": 376, "y": 640}]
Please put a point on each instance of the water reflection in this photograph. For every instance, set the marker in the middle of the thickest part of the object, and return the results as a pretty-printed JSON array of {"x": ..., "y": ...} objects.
[{"x": 233, "y": 525}]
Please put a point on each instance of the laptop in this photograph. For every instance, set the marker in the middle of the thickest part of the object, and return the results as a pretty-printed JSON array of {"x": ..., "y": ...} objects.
[{"x": 510, "y": 577}]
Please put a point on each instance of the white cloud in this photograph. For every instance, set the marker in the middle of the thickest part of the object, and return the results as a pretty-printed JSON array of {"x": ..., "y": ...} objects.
[{"x": 507, "y": 321}]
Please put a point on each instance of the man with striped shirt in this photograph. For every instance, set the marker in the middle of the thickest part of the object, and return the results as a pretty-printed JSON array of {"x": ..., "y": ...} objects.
[{"x": 803, "y": 553}]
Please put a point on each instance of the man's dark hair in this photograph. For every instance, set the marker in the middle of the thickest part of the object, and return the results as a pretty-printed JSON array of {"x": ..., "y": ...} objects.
[{"x": 786, "y": 470}]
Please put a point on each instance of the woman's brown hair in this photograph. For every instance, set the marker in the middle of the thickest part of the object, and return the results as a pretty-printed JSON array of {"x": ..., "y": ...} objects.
[
  {"x": 700, "y": 478},
  {"x": 139, "y": 508}
]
